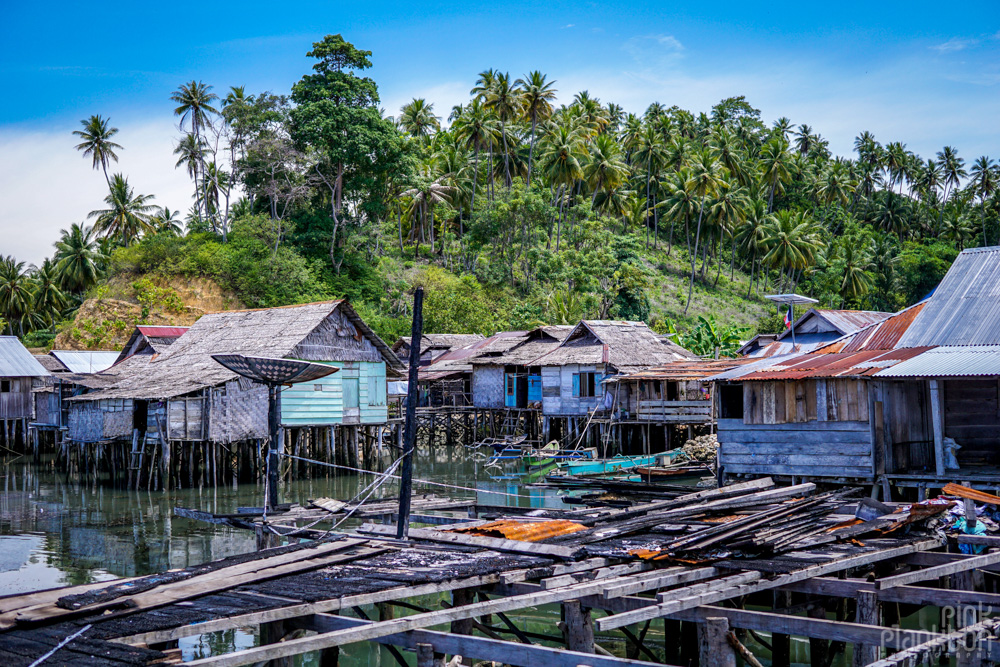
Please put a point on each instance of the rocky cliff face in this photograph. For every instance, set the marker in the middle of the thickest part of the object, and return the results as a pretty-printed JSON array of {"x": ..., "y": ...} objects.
[{"x": 105, "y": 321}]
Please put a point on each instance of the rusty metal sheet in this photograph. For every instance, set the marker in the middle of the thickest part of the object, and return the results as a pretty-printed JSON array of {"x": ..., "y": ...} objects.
[
  {"x": 818, "y": 365},
  {"x": 523, "y": 531},
  {"x": 885, "y": 335}
]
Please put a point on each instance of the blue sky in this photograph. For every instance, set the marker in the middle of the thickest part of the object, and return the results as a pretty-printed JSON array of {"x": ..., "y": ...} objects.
[{"x": 925, "y": 74}]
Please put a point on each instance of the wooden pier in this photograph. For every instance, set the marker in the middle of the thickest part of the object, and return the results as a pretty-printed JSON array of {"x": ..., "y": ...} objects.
[{"x": 715, "y": 567}]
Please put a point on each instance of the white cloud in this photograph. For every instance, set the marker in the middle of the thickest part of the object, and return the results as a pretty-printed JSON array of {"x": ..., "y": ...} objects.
[
  {"x": 955, "y": 44},
  {"x": 46, "y": 185},
  {"x": 654, "y": 53}
]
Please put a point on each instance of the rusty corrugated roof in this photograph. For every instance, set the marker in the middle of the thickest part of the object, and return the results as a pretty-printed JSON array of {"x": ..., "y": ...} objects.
[
  {"x": 841, "y": 364},
  {"x": 884, "y": 335},
  {"x": 523, "y": 531}
]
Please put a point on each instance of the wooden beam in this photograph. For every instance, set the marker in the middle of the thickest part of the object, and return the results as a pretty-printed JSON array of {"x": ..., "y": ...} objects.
[
  {"x": 491, "y": 543},
  {"x": 941, "y": 644},
  {"x": 938, "y": 571},
  {"x": 669, "y": 577},
  {"x": 683, "y": 601},
  {"x": 937, "y": 425}
]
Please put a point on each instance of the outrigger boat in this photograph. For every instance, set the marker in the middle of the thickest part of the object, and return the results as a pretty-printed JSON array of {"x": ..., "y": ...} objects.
[{"x": 608, "y": 466}]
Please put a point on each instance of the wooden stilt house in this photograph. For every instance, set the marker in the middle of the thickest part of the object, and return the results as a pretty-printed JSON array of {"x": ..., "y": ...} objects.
[
  {"x": 509, "y": 378},
  {"x": 19, "y": 374}
]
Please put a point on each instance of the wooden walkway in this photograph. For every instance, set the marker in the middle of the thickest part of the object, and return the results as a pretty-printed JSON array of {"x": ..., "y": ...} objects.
[{"x": 694, "y": 562}]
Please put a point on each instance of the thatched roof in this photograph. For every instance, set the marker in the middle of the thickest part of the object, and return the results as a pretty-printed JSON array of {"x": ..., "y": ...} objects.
[
  {"x": 50, "y": 363},
  {"x": 187, "y": 365},
  {"x": 538, "y": 342},
  {"x": 626, "y": 346},
  {"x": 459, "y": 361},
  {"x": 438, "y": 341},
  {"x": 150, "y": 339}
]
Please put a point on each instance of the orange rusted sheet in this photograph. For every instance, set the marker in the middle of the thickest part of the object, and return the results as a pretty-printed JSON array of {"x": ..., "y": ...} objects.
[
  {"x": 971, "y": 494},
  {"x": 523, "y": 531}
]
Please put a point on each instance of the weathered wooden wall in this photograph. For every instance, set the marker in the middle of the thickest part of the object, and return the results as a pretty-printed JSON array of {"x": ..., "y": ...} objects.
[
  {"x": 322, "y": 402},
  {"x": 488, "y": 386},
  {"x": 47, "y": 407},
  {"x": 237, "y": 411},
  {"x": 96, "y": 421},
  {"x": 557, "y": 390},
  {"x": 336, "y": 339},
  {"x": 814, "y": 448},
  {"x": 906, "y": 425},
  {"x": 16, "y": 403},
  {"x": 789, "y": 401}
]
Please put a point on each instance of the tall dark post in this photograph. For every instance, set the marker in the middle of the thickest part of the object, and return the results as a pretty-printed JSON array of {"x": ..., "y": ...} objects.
[
  {"x": 410, "y": 428},
  {"x": 791, "y": 322},
  {"x": 274, "y": 431}
]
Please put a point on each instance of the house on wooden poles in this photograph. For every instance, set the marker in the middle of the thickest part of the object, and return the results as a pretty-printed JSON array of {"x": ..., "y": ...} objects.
[
  {"x": 909, "y": 402},
  {"x": 20, "y": 373},
  {"x": 575, "y": 405},
  {"x": 433, "y": 346},
  {"x": 181, "y": 399},
  {"x": 813, "y": 329},
  {"x": 447, "y": 380},
  {"x": 509, "y": 378},
  {"x": 149, "y": 339}
]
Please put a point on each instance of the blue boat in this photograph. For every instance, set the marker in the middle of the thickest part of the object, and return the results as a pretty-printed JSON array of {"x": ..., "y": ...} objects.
[{"x": 606, "y": 466}]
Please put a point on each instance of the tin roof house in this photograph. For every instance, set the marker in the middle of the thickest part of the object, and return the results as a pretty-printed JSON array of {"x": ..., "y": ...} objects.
[
  {"x": 910, "y": 401},
  {"x": 447, "y": 380},
  {"x": 20, "y": 372},
  {"x": 813, "y": 329}
]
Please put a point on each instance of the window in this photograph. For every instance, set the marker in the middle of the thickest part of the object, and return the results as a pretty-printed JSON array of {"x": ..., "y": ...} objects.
[
  {"x": 511, "y": 385},
  {"x": 4, "y": 386},
  {"x": 587, "y": 385},
  {"x": 376, "y": 390}
]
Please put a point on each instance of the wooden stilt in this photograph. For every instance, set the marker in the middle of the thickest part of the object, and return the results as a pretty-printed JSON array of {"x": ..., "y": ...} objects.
[
  {"x": 578, "y": 627},
  {"x": 713, "y": 645},
  {"x": 867, "y": 614}
]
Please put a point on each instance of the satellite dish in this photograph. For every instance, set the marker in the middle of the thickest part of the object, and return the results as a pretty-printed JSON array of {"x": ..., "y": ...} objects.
[{"x": 273, "y": 371}]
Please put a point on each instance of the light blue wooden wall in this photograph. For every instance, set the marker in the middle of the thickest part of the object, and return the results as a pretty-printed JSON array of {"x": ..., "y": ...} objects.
[{"x": 305, "y": 405}]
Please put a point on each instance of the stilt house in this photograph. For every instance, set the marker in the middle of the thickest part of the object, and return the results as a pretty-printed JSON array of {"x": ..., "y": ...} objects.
[
  {"x": 447, "y": 381},
  {"x": 182, "y": 394},
  {"x": 433, "y": 346},
  {"x": 572, "y": 372},
  {"x": 510, "y": 378},
  {"x": 19, "y": 373},
  {"x": 911, "y": 401},
  {"x": 149, "y": 339}
]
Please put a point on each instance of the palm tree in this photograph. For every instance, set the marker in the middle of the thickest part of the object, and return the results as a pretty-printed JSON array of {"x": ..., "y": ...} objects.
[
  {"x": 893, "y": 214},
  {"x": 78, "y": 258},
  {"x": 857, "y": 261},
  {"x": 836, "y": 185},
  {"x": 424, "y": 196},
  {"x": 752, "y": 233},
  {"x": 97, "y": 144},
  {"x": 984, "y": 183},
  {"x": 48, "y": 300},
  {"x": 128, "y": 215},
  {"x": 704, "y": 181},
  {"x": 194, "y": 103},
  {"x": 775, "y": 168},
  {"x": 418, "y": 120},
  {"x": 15, "y": 292},
  {"x": 536, "y": 102},
  {"x": 790, "y": 242},
  {"x": 475, "y": 129},
  {"x": 803, "y": 139},
  {"x": 680, "y": 204},
  {"x": 783, "y": 127},
  {"x": 649, "y": 153},
  {"x": 562, "y": 158},
  {"x": 605, "y": 169},
  {"x": 896, "y": 158},
  {"x": 504, "y": 101},
  {"x": 168, "y": 222}
]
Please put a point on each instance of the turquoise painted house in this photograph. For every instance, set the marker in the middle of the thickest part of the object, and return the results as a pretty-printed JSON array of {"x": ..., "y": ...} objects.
[{"x": 203, "y": 401}]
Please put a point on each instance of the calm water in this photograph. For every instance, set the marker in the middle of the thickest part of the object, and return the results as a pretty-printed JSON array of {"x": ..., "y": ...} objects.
[{"x": 57, "y": 532}]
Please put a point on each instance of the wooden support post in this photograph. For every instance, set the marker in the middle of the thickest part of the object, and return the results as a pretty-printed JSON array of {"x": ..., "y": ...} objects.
[
  {"x": 671, "y": 641},
  {"x": 819, "y": 649},
  {"x": 272, "y": 633},
  {"x": 578, "y": 628},
  {"x": 937, "y": 424},
  {"x": 781, "y": 645},
  {"x": 426, "y": 657},
  {"x": 713, "y": 645},
  {"x": 329, "y": 657},
  {"x": 867, "y": 614},
  {"x": 460, "y": 598}
]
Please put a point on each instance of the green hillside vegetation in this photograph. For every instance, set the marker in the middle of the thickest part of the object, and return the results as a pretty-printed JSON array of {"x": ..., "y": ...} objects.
[{"x": 513, "y": 211}]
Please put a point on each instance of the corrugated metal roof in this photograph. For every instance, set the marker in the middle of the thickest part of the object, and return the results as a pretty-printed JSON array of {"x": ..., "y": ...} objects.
[
  {"x": 839, "y": 321},
  {"x": 857, "y": 364},
  {"x": 949, "y": 361},
  {"x": 16, "y": 361},
  {"x": 803, "y": 343},
  {"x": 684, "y": 370},
  {"x": 965, "y": 307},
  {"x": 884, "y": 335},
  {"x": 84, "y": 361},
  {"x": 523, "y": 531},
  {"x": 755, "y": 365}
]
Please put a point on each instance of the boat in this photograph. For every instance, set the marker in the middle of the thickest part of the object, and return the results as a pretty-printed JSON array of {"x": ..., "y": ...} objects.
[
  {"x": 606, "y": 466},
  {"x": 658, "y": 472}
]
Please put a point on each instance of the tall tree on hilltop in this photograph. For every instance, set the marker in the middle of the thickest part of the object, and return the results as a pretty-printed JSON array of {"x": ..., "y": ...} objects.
[
  {"x": 705, "y": 178},
  {"x": 337, "y": 116},
  {"x": 78, "y": 258},
  {"x": 418, "y": 119},
  {"x": 503, "y": 99},
  {"x": 985, "y": 180},
  {"x": 97, "y": 144},
  {"x": 128, "y": 216},
  {"x": 475, "y": 130},
  {"x": 194, "y": 104},
  {"x": 536, "y": 98}
]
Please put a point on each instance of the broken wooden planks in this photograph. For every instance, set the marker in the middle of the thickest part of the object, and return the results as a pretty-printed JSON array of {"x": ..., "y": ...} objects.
[{"x": 491, "y": 543}]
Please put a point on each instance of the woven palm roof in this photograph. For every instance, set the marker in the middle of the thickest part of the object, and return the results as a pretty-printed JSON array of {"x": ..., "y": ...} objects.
[
  {"x": 535, "y": 344},
  {"x": 459, "y": 361},
  {"x": 187, "y": 365},
  {"x": 627, "y": 346},
  {"x": 439, "y": 341}
]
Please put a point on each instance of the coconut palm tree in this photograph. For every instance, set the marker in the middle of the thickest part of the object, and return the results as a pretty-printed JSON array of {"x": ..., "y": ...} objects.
[
  {"x": 791, "y": 243},
  {"x": 97, "y": 144},
  {"x": 504, "y": 100},
  {"x": 424, "y": 196},
  {"x": 47, "y": 300},
  {"x": 78, "y": 258},
  {"x": 896, "y": 158},
  {"x": 857, "y": 262},
  {"x": 194, "y": 104},
  {"x": 605, "y": 169},
  {"x": 804, "y": 139},
  {"x": 985, "y": 181},
  {"x": 836, "y": 185},
  {"x": 537, "y": 95},
  {"x": 16, "y": 288},
  {"x": 562, "y": 158},
  {"x": 476, "y": 130},
  {"x": 783, "y": 127},
  {"x": 752, "y": 233},
  {"x": 418, "y": 120},
  {"x": 128, "y": 216},
  {"x": 775, "y": 166},
  {"x": 649, "y": 154},
  {"x": 893, "y": 214},
  {"x": 704, "y": 180},
  {"x": 168, "y": 222},
  {"x": 679, "y": 204}
]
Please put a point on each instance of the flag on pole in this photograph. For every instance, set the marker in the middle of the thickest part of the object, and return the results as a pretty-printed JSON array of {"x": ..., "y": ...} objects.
[{"x": 788, "y": 317}]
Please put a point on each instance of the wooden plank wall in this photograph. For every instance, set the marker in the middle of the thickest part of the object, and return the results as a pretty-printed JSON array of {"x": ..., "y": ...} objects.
[
  {"x": 799, "y": 401},
  {"x": 557, "y": 391},
  {"x": 16, "y": 403},
  {"x": 814, "y": 448}
]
